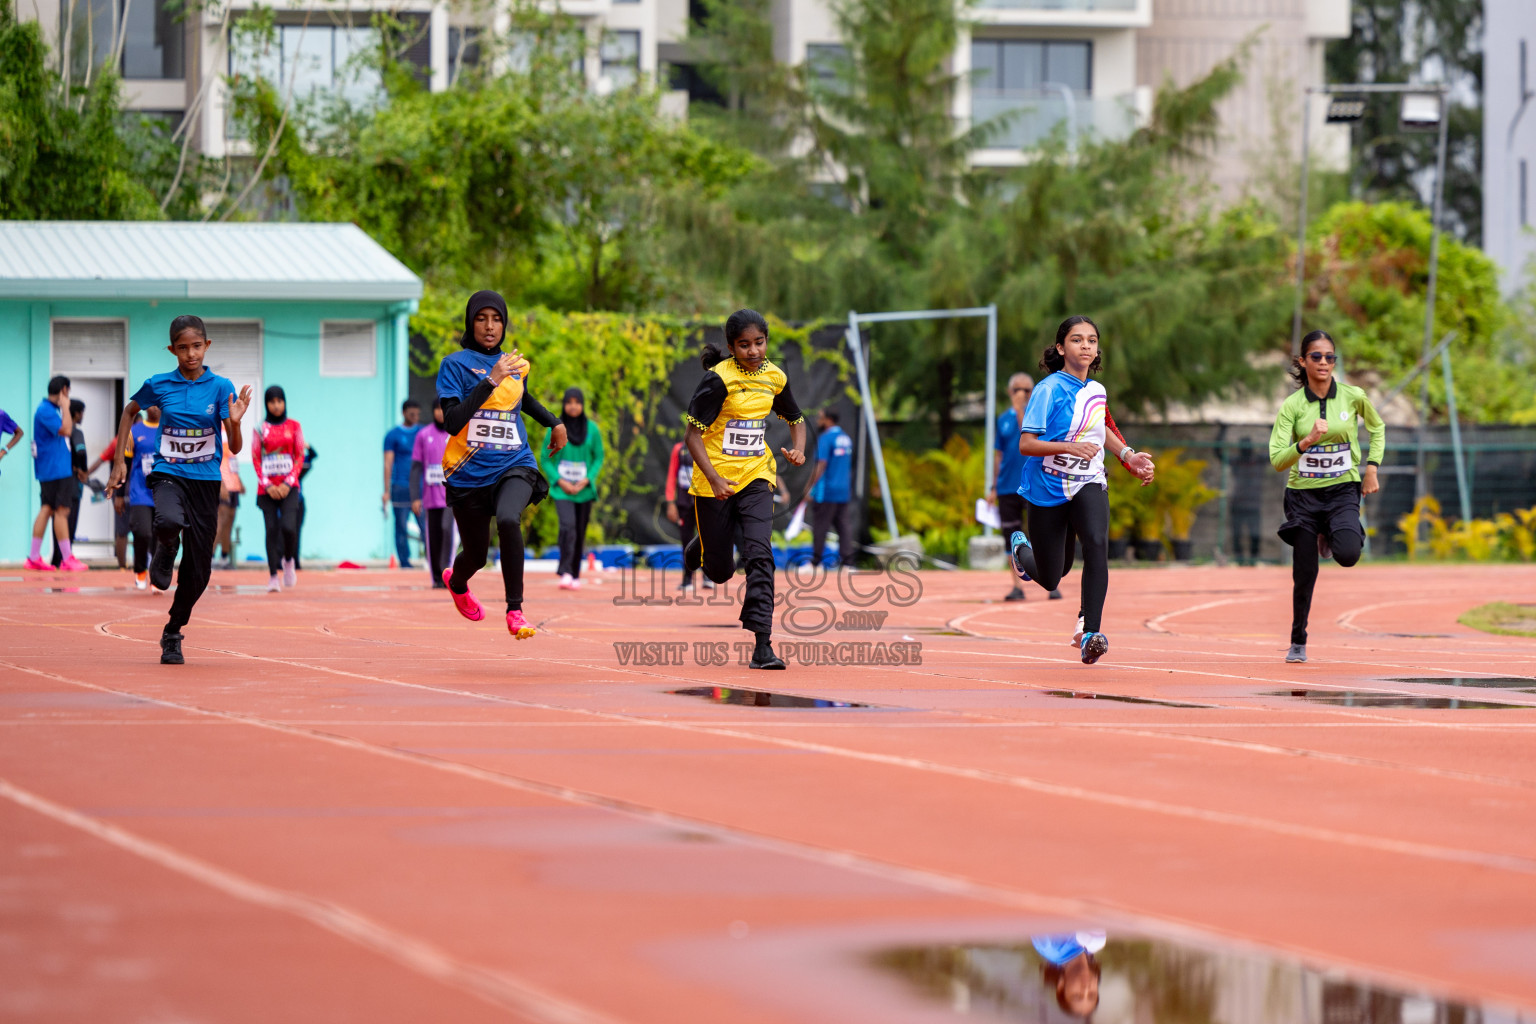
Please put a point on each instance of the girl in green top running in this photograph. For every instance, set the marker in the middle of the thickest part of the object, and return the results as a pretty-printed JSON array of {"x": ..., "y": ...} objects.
[
  {"x": 572, "y": 477},
  {"x": 1315, "y": 437}
]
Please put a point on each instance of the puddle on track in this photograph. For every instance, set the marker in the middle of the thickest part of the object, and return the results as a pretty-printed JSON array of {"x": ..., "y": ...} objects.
[
  {"x": 1132, "y": 980},
  {"x": 1502, "y": 682},
  {"x": 763, "y": 698},
  {"x": 1080, "y": 695},
  {"x": 1358, "y": 699}
]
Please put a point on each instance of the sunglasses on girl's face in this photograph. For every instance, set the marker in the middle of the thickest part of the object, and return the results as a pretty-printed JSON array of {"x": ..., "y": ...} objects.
[{"x": 1318, "y": 357}]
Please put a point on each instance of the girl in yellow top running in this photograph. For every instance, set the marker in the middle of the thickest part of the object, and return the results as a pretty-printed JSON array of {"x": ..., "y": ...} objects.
[{"x": 735, "y": 473}]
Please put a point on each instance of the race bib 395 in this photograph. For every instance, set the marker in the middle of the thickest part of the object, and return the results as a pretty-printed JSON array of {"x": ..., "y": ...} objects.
[{"x": 494, "y": 429}]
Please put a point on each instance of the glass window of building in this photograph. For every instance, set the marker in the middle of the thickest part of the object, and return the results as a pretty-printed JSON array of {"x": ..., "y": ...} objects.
[
  {"x": 1024, "y": 65},
  {"x": 621, "y": 58},
  {"x": 153, "y": 36}
]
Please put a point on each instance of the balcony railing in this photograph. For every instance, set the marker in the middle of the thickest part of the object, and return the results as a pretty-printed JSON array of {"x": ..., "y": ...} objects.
[
  {"x": 1036, "y": 114},
  {"x": 1059, "y": 5}
]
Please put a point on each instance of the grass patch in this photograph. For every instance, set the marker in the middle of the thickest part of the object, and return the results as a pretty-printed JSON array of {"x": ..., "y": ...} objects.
[{"x": 1502, "y": 618}]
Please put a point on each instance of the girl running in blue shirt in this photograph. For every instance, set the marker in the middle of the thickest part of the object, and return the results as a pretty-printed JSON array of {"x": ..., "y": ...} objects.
[
  {"x": 1062, "y": 438},
  {"x": 194, "y": 403}
]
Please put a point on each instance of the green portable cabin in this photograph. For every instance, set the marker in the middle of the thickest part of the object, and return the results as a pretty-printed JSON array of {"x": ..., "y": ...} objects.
[{"x": 321, "y": 309}]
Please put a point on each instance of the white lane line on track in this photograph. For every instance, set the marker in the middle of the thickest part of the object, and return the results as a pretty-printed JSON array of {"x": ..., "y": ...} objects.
[
  {"x": 1412, "y": 848},
  {"x": 1107, "y": 912},
  {"x": 1155, "y": 624},
  {"x": 494, "y": 987}
]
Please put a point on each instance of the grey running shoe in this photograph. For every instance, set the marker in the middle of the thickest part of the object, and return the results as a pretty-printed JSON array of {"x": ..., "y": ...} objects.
[
  {"x": 1056, "y": 595},
  {"x": 1015, "y": 594},
  {"x": 1297, "y": 654}
]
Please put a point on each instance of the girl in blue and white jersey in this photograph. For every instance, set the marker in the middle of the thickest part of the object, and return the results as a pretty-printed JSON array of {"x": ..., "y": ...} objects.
[{"x": 1066, "y": 493}]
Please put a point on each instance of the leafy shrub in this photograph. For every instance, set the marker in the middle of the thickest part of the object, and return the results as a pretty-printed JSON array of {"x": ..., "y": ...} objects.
[{"x": 1508, "y": 536}]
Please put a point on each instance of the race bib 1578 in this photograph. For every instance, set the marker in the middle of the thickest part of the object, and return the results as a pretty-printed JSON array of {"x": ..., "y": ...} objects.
[
  {"x": 189, "y": 444},
  {"x": 1324, "y": 461},
  {"x": 744, "y": 438},
  {"x": 494, "y": 429}
]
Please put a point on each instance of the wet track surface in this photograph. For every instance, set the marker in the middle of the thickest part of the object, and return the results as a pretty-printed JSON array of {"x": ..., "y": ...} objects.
[{"x": 352, "y": 804}]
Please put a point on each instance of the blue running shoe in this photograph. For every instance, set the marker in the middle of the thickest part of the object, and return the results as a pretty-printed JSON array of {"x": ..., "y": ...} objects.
[
  {"x": 1095, "y": 646},
  {"x": 1022, "y": 555}
]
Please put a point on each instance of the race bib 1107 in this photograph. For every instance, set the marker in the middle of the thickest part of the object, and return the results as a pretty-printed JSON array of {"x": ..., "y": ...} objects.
[
  {"x": 744, "y": 438},
  {"x": 189, "y": 444},
  {"x": 494, "y": 429},
  {"x": 1325, "y": 461}
]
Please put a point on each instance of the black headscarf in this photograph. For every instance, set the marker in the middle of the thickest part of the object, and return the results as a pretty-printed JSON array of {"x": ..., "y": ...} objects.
[
  {"x": 478, "y": 301},
  {"x": 575, "y": 426},
  {"x": 275, "y": 392}
]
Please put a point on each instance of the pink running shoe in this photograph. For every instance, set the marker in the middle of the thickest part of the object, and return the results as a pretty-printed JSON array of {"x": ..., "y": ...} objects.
[
  {"x": 518, "y": 626},
  {"x": 73, "y": 564},
  {"x": 465, "y": 602},
  {"x": 38, "y": 565}
]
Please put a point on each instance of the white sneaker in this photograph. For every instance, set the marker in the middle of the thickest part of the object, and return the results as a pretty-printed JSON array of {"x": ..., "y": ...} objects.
[
  {"x": 290, "y": 575},
  {"x": 275, "y": 584},
  {"x": 566, "y": 581},
  {"x": 141, "y": 580},
  {"x": 1077, "y": 638}
]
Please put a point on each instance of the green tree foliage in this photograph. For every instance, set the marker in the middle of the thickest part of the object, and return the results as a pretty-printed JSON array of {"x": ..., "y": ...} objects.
[
  {"x": 63, "y": 152},
  {"x": 1368, "y": 287},
  {"x": 1417, "y": 41}
]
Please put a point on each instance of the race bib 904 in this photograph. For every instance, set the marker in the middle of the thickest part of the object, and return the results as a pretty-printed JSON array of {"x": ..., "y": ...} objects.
[
  {"x": 1325, "y": 461},
  {"x": 435, "y": 474},
  {"x": 189, "y": 444},
  {"x": 744, "y": 438},
  {"x": 494, "y": 429}
]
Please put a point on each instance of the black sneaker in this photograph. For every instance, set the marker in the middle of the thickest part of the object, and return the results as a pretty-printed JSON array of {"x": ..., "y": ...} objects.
[
  {"x": 763, "y": 657},
  {"x": 693, "y": 557},
  {"x": 161, "y": 567},
  {"x": 1056, "y": 595},
  {"x": 1014, "y": 595},
  {"x": 170, "y": 649}
]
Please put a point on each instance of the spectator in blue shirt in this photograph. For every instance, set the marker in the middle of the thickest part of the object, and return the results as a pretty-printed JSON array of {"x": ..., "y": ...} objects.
[
  {"x": 54, "y": 465},
  {"x": 79, "y": 460},
  {"x": 398, "y": 445},
  {"x": 831, "y": 490},
  {"x": 8, "y": 426},
  {"x": 1009, "y": 471}
]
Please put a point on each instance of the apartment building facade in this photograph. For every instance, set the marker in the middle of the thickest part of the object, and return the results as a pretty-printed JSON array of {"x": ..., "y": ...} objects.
[
  {"x": 1085, "y": 68},
  {"x": 1509, "y": 135}
]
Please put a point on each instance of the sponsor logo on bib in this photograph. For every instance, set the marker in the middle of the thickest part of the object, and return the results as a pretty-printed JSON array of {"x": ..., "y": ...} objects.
[
  {"x": 494, "y": 429},
  {"x": 188, "y": 444},
  {"x": 744, "y": 438},
  {"x": 1325, "y": 461},
  {"x": 685, "y": 477}
]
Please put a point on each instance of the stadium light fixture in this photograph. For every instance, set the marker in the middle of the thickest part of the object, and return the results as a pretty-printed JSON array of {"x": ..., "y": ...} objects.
[
  {"x": 1345, "y": 109},
  {"x": 1421, "y": 111}
]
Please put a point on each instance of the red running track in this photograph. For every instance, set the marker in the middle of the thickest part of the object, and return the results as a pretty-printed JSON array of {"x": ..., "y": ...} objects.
[{"x": 353, "y": 805}]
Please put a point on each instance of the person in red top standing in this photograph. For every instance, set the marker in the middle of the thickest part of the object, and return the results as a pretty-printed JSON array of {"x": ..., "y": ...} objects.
[
  {"x": 279, "y": 457},
  {"x": 680, "y": 477}
]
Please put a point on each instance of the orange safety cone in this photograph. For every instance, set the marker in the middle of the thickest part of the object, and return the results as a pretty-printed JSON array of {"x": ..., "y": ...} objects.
[
  {"x": 392, "y": 564},
  {"x": 591, "y": 561}
]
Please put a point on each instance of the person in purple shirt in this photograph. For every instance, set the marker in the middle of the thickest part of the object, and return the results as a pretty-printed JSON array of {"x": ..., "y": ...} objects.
[
  {"x": 430, "y": 495},
  {"x": 8, "y": 426}
]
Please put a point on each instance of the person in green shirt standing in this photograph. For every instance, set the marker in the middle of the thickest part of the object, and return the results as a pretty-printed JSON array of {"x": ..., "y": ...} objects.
[
  {"x": 1316, "y": 439},
  {"x": 572, "y": 476}
]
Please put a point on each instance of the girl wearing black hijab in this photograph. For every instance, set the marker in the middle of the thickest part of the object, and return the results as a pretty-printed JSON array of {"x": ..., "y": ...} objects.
[
  {"x": 489, "y": 469},
  {"x": 278, "y": 452},
  {"x": 573, "y": 479}
]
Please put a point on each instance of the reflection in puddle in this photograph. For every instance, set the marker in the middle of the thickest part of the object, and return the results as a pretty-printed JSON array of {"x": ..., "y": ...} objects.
[
  {"x": 1356, "y": 699},
  {"x": 762, "y": 698},
  {"x": 1502, "y": 682},
  {"x": 1079, "y": 695},
  {"x": 1086, "y": 976}
]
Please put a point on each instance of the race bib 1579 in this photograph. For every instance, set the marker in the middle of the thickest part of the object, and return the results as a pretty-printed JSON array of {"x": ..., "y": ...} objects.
[
  {"x": 189, "y": 444},
  {"x": 494, "y": 429},
  {"x": 743, "y": 438},
  {"x": 1324, "y": 461}
]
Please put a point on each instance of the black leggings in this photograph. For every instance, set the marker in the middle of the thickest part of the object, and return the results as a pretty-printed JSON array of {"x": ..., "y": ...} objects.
[
  {"x": 573, "y": 516},
  {"x": 1053, "y": 529},
  {"x": 504, "y": 501},
  {"x": 141, "y": 526},
  {"x": 282, "y": 518},
  {"x": 440, "y": 543},
  {"x": 745, "y": 518},
  {"x": 186, "y": 515}
]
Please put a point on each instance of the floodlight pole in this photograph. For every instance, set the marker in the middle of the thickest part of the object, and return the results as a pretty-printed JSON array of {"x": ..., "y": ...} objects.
[
  {"x": 1421, "y": 486},
  {"x": 1301, "y": 224},
  {"x": 991, "y": 454}
]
